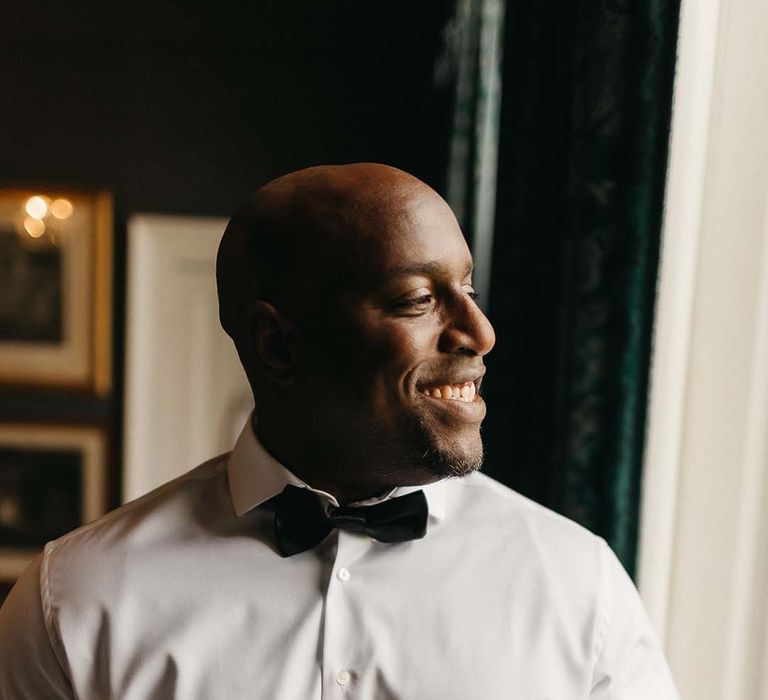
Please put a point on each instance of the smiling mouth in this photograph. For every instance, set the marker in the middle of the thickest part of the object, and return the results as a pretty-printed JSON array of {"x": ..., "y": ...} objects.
[{"x": 465, "y": 392}]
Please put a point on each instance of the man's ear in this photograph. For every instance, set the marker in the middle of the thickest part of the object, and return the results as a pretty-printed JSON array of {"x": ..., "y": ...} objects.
[{"x": 273, "y": 337}]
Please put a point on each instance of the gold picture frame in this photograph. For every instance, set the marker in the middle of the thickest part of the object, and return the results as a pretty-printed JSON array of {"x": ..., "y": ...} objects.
[
  {"x": 53, "y": 478},
  {"x": 56, "y": 248}
]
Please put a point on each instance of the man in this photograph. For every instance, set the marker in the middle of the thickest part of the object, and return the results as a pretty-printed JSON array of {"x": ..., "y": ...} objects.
[{"x": 348, "y": 546}]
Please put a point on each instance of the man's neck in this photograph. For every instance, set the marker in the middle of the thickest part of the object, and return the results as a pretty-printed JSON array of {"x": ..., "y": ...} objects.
[{"x": 324, "y": 469}]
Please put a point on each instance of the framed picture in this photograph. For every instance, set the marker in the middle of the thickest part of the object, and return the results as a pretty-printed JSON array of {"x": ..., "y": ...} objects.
[
  {"x": 52, "y": 480},
  {"x": 56, "y": 288}
]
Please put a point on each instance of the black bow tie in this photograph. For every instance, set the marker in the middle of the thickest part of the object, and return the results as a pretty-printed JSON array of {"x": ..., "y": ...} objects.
[{"x": 303, "y": 519}]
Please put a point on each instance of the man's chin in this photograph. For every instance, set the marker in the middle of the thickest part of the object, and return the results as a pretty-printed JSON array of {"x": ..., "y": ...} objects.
[
  {"x": 440, "y": 452},
  {"x": 448, "y": 465},
  {"x": 452, "y": 458}
]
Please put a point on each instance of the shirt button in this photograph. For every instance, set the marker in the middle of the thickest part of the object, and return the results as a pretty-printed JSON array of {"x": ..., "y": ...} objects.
[
  {"x": 343, "y": 574},
  {"x": 343, "y": 677}
]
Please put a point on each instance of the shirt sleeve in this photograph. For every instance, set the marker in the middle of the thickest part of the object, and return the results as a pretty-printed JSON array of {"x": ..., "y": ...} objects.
[
  {"x": 30, "y": 667},
  {"x": 630, "y": 663}
]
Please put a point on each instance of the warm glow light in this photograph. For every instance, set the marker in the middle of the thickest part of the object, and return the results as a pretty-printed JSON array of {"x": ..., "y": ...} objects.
[
  {"x": 61, "y": 208},
  {"x": 10, "y": 512},
  {"x": 36, "y": 207},
  {"x": 34, "y": 227}
]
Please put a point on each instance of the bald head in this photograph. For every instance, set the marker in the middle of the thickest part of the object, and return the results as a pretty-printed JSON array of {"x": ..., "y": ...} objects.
[{"x": 300, "y": 231}]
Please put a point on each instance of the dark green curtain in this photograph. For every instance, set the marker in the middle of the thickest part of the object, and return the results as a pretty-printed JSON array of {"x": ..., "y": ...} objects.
[{"x": 584, "y": 126}]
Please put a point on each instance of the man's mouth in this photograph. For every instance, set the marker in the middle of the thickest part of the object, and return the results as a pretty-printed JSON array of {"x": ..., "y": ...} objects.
[{"x": 466, "y": 392}]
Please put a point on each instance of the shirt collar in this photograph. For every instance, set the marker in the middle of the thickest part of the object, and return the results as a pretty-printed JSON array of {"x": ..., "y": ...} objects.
[{"x": 256, "y": 476}]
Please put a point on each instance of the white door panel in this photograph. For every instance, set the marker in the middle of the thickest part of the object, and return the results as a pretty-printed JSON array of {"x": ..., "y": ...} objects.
[{"x": 186, "y": 394}]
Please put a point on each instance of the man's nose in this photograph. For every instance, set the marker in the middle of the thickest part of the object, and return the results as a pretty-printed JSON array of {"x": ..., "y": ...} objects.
[{"x": 467, "y": 329}]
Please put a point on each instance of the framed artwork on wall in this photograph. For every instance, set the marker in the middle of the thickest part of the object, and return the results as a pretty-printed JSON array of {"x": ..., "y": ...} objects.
[
  {"x": 52, "y": 480},
  {"x": 56, "y": 288}
]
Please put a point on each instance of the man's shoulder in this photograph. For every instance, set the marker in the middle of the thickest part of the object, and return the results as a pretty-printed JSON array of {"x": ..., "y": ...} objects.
[
  {"x": 175, "y": 511},
  {"x": 497, "y": 500},
  {"x": 514, "y": 525}
]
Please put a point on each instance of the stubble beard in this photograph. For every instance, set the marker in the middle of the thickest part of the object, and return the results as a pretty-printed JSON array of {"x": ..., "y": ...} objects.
[
  {"x": 438, "y": 455},
  {"x": 413, "y": 451}
]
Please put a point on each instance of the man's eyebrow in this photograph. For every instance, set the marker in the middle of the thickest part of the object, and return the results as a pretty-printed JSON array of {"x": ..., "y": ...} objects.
[{"x": 427, "y": 268}]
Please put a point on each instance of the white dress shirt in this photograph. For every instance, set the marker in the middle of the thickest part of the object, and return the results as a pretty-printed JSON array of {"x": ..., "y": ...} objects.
[{"x": 181, "y": 595}]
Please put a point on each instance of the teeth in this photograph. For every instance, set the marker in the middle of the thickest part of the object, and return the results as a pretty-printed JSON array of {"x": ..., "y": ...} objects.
[{"x": 457, "y": 392}]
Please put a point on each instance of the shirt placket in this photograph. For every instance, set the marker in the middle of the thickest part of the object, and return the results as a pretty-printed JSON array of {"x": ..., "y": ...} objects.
[{"x": 341, "y": 663}]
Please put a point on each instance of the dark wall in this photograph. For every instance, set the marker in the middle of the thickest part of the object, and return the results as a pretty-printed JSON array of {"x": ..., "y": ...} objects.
[{"x": 185, "y": 108}]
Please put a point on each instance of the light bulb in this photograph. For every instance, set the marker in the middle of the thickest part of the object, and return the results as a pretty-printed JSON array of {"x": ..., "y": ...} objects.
[
  {"x": 61, "y": 208},
  {"x": 36, "y": 207}
]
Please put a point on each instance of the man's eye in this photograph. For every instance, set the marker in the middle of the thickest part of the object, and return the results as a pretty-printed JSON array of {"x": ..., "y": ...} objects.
[{"x": 416, "y": 303}]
